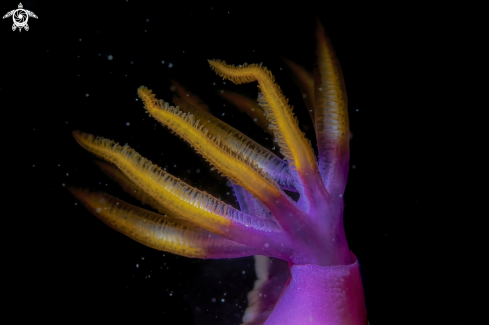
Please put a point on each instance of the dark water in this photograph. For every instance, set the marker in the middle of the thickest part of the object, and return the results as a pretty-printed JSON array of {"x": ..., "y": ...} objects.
[{"x": 78, "y": 67}]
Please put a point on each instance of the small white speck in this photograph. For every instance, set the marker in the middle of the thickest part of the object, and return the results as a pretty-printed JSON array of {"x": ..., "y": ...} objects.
[
  {"x": 127, "y": 123},
  {"x": 86, "y": 95},
  {"x": 67, "y": 174},
  {"x": 356, "y": 110},
  {"x": 33, "y": 165},
  {"x": 98, "y": 210},
  {"x": 110, "y": 57},
  {"x": 213, "y": 299},
  {"x": 320, "y": 88},
  {"x": 170, "y": 65},
  {"x": 222, "y": 300},
  {"x": 147, "y": 20},
  {"x": 266, "y": 245},
  {"x": 80, "y": 39},
  {"x": 132, "y": 62},
  {"x": 223, "y": 114},
  {"x": 354, "y": 166},
  {"x": 243, "y": 272},
  {"x": 137, "y": 266}
]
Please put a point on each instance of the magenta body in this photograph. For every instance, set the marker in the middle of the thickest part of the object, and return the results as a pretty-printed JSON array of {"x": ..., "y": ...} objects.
[{"x": 329, "y": 295}]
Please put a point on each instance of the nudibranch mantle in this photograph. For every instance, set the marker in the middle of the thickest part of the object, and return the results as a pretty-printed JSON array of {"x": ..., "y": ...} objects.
[{"x": 304, "y": 240}]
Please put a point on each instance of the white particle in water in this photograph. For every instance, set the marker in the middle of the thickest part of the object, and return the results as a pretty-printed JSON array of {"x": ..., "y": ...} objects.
[
  {"x": 213, "y": 299},
  {"x": 170, "y": 65},
  {"x": 98, "y": 210},
  {"x": 128, "y": 123},
  {"x": 110, "y": 57},
  {"x": 266, "y": 245},
  {"x": 137, "y": 266}
]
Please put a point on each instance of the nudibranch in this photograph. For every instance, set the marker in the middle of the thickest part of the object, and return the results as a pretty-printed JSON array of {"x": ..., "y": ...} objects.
[{"x": 314, "y": 278}]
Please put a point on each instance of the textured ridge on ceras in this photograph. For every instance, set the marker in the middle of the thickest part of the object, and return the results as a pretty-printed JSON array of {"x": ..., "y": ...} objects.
[
  {"x": 178, "y": 188},
  {"x": 190, "y": 120}
]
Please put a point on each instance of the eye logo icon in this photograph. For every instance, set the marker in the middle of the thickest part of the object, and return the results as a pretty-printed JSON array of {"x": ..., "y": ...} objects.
[{"x": 20, "y": 17}]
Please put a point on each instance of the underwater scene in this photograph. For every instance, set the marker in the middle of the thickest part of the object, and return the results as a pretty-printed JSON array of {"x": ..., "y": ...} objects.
[{"x": 234, "y": 154}]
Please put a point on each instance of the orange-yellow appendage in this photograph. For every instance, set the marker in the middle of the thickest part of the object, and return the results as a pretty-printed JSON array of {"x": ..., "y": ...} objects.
[
  {"x": 188, "y": 96},
  {"x": 294, "y": 145},
  {"x": 331, "y": 114},
  {"x": 232, "y": 164},
  {"x": 241, "y": 144},
  {"x": 305, "y": 81},
  {"x": 129, "y": 187},
  {"x": 165, "y": 233},
  {"x": 249, "y": 106},
  {"x": 181, "y": 199}
]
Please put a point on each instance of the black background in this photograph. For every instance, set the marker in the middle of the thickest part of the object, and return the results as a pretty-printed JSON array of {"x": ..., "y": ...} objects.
[{"x": 63, "y": 265}]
